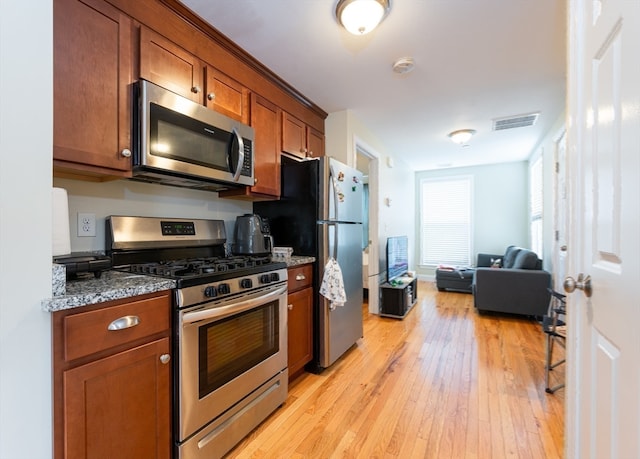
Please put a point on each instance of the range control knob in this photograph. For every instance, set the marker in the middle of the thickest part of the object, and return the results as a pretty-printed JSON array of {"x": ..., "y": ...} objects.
[
  {"x": 210, "y": 292},
  {"x": 246, "y": 283},
  {"x": 224, "y": 289},
  {"x": 265, "y": 278},
  {"x": 275, "y": 277}
]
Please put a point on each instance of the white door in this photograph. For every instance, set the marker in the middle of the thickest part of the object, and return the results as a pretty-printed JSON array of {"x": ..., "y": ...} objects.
[{"x": 603, "y": 381}]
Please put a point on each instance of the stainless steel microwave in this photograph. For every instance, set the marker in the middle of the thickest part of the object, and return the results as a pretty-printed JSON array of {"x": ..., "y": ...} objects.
[{"x": 181, "y": 143}]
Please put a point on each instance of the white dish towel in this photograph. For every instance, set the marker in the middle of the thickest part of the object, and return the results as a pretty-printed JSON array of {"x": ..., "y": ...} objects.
[{"x": 332, "y": 287}]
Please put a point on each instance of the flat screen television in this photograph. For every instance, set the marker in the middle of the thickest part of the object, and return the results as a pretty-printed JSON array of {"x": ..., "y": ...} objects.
[{"x": 397, "y": 257}]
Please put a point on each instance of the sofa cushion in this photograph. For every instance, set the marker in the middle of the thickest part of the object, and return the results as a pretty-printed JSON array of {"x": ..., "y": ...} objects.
[
  {"x": 510, "y": 256},
  {"x": 526, "y": 259}
]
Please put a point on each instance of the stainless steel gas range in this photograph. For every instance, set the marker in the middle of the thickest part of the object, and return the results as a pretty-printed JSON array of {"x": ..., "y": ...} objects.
[{"x": 229, "y": 327}]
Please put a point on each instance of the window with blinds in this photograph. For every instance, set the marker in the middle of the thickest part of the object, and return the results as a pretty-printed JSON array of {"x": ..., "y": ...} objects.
[
  {"x": 536, "y": 194},
  {"x": 445, "y": 221}
]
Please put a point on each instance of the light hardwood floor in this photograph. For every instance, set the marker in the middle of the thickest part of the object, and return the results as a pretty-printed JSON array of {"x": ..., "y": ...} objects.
[{"x": 445, "y": 382}]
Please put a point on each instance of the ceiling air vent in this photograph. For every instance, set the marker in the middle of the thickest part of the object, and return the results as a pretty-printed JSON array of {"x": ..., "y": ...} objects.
[{"x": 515, "y": 121}]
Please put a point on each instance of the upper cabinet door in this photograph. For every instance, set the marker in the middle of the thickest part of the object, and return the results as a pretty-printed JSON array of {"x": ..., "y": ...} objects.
[
  {"x": 226, "y": 95},
  {"x": 315, "y": 143},
  {"x": 265, "y": 118},
  {"x": 166, "y": 64},
  {"x": 293, "y": 136},
  {"x": 91, "y": 87}
]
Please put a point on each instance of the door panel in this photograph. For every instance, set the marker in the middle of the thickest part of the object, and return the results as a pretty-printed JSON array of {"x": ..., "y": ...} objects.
[{"x": 603, "y": 399}]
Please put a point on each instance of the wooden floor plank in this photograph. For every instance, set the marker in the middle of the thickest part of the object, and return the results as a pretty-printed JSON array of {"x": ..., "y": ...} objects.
[{"x": 445, "y": 382}]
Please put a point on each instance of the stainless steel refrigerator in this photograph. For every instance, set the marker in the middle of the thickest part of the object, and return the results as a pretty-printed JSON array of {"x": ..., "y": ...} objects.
[{"x": 320, "y": 214}]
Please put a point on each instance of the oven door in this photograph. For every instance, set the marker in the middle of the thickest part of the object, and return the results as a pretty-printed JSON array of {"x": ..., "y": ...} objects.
[{"x": 227, "y": 350}]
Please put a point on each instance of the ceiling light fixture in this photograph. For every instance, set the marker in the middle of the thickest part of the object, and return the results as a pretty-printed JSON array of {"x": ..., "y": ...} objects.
[
  {"x": 361, "y": 16},
  {"x": 461, "y": 136}
]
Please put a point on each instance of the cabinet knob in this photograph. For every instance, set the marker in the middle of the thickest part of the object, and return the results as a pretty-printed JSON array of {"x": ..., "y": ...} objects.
[
  {"x": 289, "y": 307},
  {"x": 300, "y": 277},
  {"x": 126, "y": 153},
  {"x": 211, "y": 96},
  {"x": 164, "y": 358},
  {"x": 196, "y": 89}
]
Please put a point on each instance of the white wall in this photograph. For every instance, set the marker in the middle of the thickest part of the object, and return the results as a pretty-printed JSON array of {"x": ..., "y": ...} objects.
[
  {"x": 501, "y": 206},
  {"x": 127, "y": 197},
  {"x": 342, "y": 131},
  {"x": 26, "y": 93},
  {"x": 547, "y": 149}
]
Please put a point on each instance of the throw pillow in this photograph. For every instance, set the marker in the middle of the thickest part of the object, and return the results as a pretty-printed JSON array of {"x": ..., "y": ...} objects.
[
  {"x": 526, "y": 259},
  {"x": 510, "y": 256}
]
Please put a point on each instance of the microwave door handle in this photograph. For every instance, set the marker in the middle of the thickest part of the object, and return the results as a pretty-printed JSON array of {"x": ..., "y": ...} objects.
[{"x": 238, "y": 167}]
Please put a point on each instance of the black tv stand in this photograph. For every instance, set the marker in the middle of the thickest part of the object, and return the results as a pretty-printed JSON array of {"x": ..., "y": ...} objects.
[{"x": 397, "y": 298}]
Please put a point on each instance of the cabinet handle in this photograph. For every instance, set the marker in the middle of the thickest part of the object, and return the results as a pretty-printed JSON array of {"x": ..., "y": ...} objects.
[
  {"x": 196, "y": 89},
  {"x": 211, "y": 96},
  {"x": 290, "y": 307},
  {"x": 300, "y": 277},
  {"x": 126, "y": 153},
  {"x": 124, "y": 322},
  {"x": 164, "y": 358}
]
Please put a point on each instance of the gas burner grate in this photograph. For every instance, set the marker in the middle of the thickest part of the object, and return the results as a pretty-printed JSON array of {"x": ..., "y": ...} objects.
[{"x": 195, "y": 267}]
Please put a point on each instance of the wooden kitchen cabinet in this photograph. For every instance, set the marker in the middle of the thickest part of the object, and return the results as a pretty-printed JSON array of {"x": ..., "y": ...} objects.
[
  {"x": 300, "y": 318},
  {"x": 92, "y": 73},
  {"x": 166, "y": 64},
  {"x": 299, "y": 139},
  {"x": 112, "y": 388},
  {"x": 225, "y": 95}
]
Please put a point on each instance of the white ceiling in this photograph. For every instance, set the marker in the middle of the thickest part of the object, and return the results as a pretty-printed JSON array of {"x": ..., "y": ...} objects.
[{"x": 475, "y": 61}]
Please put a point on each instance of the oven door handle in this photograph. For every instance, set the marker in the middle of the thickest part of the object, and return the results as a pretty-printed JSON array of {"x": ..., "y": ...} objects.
[{"x": 232, "y": 308}]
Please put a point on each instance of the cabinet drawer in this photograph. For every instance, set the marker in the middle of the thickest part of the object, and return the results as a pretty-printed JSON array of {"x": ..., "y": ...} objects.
[
  {"x": 86, "y": 333},
  {"x": 299, "y": 277}
]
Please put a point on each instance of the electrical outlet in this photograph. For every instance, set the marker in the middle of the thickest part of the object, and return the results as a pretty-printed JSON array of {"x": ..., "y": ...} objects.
[{"x": 86, "y": 225}]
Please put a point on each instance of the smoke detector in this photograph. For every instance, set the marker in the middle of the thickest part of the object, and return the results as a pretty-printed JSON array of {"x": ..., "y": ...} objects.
[{"x": 403, "y": 65}]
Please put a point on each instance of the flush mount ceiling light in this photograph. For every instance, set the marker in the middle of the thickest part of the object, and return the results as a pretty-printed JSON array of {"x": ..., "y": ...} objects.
[
  {"x": 461, "y": 136},
  {"x": 361, "y": 16}
]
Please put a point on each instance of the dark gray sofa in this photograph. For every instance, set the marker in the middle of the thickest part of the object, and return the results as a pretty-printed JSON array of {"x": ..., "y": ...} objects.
[{"x": 519, "y": 286}]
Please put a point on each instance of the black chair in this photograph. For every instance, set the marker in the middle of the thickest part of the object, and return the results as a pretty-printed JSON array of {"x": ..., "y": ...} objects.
[{"x": 554, "y": 327}]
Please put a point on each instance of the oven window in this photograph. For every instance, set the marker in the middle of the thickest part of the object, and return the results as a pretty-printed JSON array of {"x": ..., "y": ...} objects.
[{"x": 231, "y": 346}]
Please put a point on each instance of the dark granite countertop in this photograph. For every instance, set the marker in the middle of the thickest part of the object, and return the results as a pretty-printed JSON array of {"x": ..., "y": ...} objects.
[
  {"x": 112, "y": 285},
  {"x": 297, "y": 260},
  {"x": 115, "y": 285}
]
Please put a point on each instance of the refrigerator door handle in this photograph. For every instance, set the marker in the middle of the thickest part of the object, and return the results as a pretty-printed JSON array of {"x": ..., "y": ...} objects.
[
  {"x": 333, "y": 251},
  {"x": 332, "y": 177},
  {"x": 334, "y": 188}
]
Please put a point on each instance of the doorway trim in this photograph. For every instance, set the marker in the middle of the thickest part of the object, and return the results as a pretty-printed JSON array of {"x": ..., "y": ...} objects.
[{"x": 362, "y": 148}]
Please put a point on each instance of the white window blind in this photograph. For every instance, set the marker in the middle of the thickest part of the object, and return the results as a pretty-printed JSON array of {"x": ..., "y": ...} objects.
[
  {"x": 445, "y": 221},
  {"x": 536, "y": 194}
]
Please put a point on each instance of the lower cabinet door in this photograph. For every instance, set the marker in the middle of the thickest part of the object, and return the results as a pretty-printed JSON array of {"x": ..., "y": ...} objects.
[
  {"x": 300, "y": 345},
  {"x": 119, "y": 406}
]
